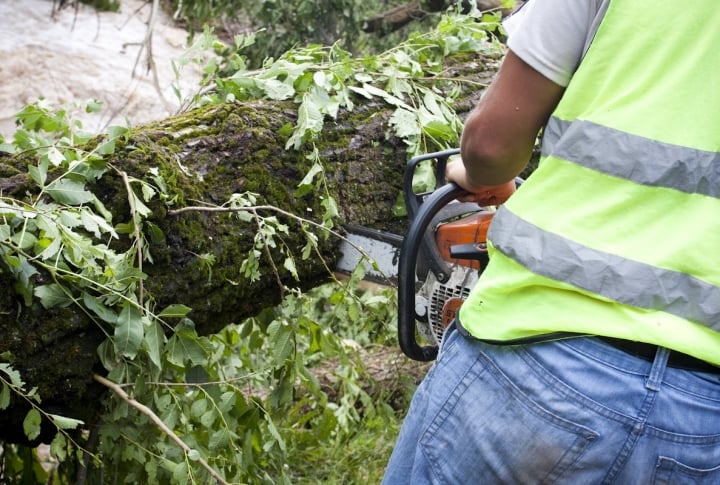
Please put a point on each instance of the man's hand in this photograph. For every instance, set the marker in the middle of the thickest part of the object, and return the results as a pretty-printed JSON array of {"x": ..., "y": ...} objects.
[{"x": 482, "y": 194}]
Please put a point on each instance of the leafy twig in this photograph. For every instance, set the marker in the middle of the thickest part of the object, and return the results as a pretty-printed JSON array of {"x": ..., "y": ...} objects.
[
  {"x": 158, "y": 422},
  {"x": 266, "y": 248},
  {"x": 136, "y": 234}
]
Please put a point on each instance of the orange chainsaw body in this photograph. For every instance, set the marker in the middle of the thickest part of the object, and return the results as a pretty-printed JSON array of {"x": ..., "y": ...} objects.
[{"x": 467, "y": 230}]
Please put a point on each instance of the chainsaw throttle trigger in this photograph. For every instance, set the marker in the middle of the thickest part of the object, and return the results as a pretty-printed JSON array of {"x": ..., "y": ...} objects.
[{"x": 472, "y": 251}]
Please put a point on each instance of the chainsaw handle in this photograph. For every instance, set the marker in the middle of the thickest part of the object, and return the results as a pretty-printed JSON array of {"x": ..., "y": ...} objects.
[
  {"x": 413, "y": 200},
  {"x": 409, "y": 251},
  {"x": 432, "y": 261}
]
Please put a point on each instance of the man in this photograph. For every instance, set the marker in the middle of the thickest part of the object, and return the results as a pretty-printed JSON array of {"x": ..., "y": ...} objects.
[{"x": 588, "y": 350}]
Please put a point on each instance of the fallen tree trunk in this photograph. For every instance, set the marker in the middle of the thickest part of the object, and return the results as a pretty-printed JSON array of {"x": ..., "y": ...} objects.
[{"x": 205, "y": 156}]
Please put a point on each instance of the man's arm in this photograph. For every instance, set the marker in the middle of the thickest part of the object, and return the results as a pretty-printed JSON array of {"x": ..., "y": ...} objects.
[{"x": 499, "y": 135}]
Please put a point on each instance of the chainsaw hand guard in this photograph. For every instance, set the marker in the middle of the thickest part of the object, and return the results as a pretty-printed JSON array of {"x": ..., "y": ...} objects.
[{"x": 409, "y": 251}]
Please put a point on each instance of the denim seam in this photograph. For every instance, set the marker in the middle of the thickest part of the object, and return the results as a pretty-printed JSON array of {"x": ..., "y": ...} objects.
[
  {"x": 693, "y": 393},
  {"x": 653, "y": 384},
  {"x": 682, "y": 438}
]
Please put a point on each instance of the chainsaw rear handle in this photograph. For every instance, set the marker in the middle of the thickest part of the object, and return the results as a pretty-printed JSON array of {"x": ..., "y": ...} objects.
[{"x": 406, "y": 270}]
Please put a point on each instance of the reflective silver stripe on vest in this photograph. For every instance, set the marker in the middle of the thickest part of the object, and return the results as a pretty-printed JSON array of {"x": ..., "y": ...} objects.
[
  {"x": 633, "y": 157},
  {"x": 619, "y": 279}
]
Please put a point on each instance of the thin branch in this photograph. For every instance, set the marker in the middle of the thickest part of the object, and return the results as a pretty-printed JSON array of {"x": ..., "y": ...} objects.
[
  {"x": 146, "y": 45},
  {"x": 150, "y": 57},
  {"x": 136, "y": 234},
  {"x": 158, "y": 422}
]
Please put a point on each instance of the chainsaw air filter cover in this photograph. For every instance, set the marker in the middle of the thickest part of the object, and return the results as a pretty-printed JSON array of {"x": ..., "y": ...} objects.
[{"x": 437, "y": 303}]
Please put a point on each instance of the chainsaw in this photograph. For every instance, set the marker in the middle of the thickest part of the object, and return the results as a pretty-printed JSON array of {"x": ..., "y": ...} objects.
[{"x": 437, "y": 262}]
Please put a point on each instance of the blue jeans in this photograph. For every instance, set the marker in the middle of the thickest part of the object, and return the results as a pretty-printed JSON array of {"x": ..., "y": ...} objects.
[{"x": 576, "y": 411}]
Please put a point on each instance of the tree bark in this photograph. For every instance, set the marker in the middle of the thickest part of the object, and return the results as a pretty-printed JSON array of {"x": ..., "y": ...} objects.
[
  {"x": 205, "y": 156},
  {"x": 398, "y": 17}
]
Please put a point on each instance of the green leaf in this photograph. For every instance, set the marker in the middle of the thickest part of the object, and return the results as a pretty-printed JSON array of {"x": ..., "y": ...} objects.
[
  {"x": 48, "y": 247},
  {"x": 63, "y": 422},
  {"x": 70, "y": 192},
  {"x": 107, "y": 355},
  {"x": 140, "y": 208},
  {"x": 116, "y": 131},
  {"x": 362, "y": 92},
  {"x": 24, "y": 240},
  {"x": 154, "y": 232},
  {"x": 4, "y": 396},
  {"x": 353, "y": 312},
  {"x": 175, "y": 311},
  {"x": 331, "y": 208},
  {"x": 148, "y": 191},
  {"x": 405, "y": 123},
  {"x": 93, "y": 106},
  {"x": 198, "y": 407},
  {"x": 208, "y": 418},
  {"x": 281, "y": 341},
  {"x": 52, "y": 296},
  {"x": 55, "y": 156},
  {"x": 154, "y": 342},
  {"x": 58, "y": 447},
  {"x": 39, "y": 173},
  {"x": 275, "y": 434},
  {"x": 15, "y": 379},
  {"x": 129, "y": 332},
  {"x": 275, "y": 89},
  {"x": 96, "y": 224},
  {"x": 440, "y": 131},
  {"x": 310, "y": 121},
  {"x": 387, "y": 97},
  {"x": 219, "y": 439},
  {"x": 107, "y": 148},
  {"x": 185, "y": 345},
  {"x": 306, "y": 184},
  {"x": 289, "y": 264},
  {"x": 326, "y": 104},
  {"x": 98, "y": 308},
  {"x": 180, "y": 473},
  {"x": 31, "y": 424},
  {"x": 8, "y": 148}
]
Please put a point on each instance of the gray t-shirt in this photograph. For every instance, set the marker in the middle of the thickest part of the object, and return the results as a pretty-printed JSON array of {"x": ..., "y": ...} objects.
[{"x": 552, "y": 36}]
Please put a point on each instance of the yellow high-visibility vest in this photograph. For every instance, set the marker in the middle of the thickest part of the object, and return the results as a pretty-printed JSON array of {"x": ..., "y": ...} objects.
[{"x": 617, "y": 233}]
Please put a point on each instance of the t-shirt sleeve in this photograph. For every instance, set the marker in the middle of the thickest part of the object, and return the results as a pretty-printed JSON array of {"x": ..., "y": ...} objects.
[{"x": 552, "y": 35}]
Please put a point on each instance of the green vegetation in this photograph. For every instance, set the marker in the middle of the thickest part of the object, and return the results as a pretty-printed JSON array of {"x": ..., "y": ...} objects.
[
  {"x": 281, "y": 25},
  {"x": 283, "y": 397}
]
